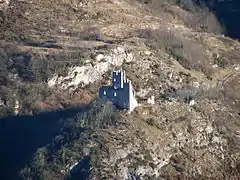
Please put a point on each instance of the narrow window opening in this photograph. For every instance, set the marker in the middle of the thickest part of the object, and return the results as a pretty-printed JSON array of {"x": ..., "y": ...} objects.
[
  {"x": 114, "y": 80},
  {"x": 115, "y": 94},
  {"x": 104, "y": 92}
]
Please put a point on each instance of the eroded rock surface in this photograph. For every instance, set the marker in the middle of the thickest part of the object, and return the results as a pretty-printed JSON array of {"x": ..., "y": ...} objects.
[{"x": 91, "y": 72}]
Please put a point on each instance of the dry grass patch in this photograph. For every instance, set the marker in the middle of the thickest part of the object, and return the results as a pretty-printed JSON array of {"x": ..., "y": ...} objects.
[{"x": 189, "y": 53}]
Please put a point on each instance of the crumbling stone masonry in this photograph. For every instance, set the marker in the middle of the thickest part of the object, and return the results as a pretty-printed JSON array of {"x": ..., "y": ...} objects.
[{"x": 120, "y": 92}]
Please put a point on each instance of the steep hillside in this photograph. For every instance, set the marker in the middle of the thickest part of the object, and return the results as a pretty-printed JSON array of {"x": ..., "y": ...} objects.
[
  {"x": 55, "y": 54},
  {"x": 227, "y": 12}
]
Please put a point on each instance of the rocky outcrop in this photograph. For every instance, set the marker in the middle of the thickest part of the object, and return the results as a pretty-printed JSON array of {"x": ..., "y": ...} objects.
[
  {"x": 80, "y": 76},
  {"x": 4, "y": 4},
  {"x": 147, "y": 148}
]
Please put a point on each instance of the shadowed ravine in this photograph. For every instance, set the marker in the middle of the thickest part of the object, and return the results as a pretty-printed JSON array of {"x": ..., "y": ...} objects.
[{"x": 21, "y": 136}]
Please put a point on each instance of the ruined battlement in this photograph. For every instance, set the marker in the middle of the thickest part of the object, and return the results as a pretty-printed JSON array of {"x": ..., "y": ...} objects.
[{"x": 120, "y": 92}]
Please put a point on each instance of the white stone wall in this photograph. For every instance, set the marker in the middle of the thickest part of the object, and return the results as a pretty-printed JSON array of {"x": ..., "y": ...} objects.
[{"x": 132, "y": 100}]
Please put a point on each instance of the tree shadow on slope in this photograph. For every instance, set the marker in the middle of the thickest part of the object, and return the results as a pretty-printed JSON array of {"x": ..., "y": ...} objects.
[
  {"x": 66, "y": 155},
  {"x": 21, "y": 136},
  {"x": 227, "y": 13},
  {"x": 204, "y": 13}
]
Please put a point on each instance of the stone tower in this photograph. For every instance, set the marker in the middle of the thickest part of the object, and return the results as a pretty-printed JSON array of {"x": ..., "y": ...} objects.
[{"x": 120, "y": 92}]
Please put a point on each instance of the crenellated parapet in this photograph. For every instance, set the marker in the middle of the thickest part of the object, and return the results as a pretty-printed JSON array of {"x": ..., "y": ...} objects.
[{"x": 120, "y": 92}]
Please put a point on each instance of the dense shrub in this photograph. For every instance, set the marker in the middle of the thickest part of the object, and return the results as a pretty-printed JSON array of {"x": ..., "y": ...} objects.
[{"x": 68, "y": 145}]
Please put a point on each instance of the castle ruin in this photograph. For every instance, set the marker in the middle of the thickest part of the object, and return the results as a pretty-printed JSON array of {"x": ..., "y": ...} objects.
[{"x": 120, "y": 92}]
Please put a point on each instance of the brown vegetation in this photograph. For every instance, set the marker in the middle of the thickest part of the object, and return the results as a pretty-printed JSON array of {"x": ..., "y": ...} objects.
[{"x": 41, "y": 38}]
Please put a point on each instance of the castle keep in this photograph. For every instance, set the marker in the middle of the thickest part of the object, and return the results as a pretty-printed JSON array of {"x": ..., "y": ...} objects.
[{"x": 120, "y": 92}]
